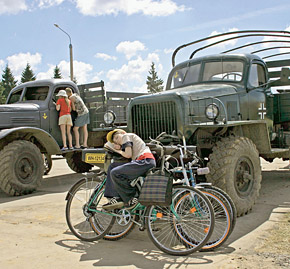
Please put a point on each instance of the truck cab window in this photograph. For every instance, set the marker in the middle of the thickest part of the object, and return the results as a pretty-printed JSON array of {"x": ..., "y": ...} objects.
[
  {"x": 56, "y": 92},
  {"x": 186, "y": 75},
  {"x": 36, "y": 93},
  {"x": 257, "y": 75},
  {"x": 14, "y": 97},
  {"x": 223, "y": 70}
]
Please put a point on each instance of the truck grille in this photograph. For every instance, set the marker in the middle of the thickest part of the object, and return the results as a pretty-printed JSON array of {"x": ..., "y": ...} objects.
[
  {"x": 149, "y": 120},
  {"x": 23, "y": 121}
]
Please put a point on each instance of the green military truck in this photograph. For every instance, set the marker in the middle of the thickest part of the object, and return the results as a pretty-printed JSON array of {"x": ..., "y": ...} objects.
[
  {"x": 29, "y": 129},
  {"x": 224, "y": 105}
]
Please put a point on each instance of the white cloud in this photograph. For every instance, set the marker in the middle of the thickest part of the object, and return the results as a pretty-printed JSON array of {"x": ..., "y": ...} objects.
[
  {"x": 81, "y": 71},
  {"x": 276, "y": 43},
  {"x": 12, "y": 6},
  {"x": 18, "y": 62},
  {"x": 105, "y": 56},
  {"x": 223, "y": 44},
  {"x": 99, "y": 76},
  {"x": 129, "y": 48},
  {"x": 2, "y": 65},
  {"x": 168, "y": 51},
  {"x": 129, "y": 7},
  {"x": 131, "y": 77},
  {"x": 49, "y": 3}
]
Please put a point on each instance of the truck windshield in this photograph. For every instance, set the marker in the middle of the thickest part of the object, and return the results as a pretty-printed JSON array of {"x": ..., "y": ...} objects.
[
  {"x": 186, "y": 75},
  {"x": 223, "y": 70},
  {"x": 212, "y": 71},
  {"x": 15, "y": 97},
  {"x": 38, "y": 93}
]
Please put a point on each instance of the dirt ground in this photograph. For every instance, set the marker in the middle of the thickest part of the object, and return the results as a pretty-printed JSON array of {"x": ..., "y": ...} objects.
[
  {"x": 271, "y": 246},
  {"x": 34, "y": 234}
]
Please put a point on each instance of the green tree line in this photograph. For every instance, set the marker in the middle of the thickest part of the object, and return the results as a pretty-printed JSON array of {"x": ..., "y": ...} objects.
[{"x": 8, "y": 81}]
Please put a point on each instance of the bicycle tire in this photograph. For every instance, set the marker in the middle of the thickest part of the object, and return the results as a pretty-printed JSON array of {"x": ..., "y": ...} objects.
[
  {"x": 224, "y": 206},
  {"x": 227, "y": 200},
  {"x": 181, "y": 237},
  {"x": 222, "y": 227},
  {"x": 83, "y": 223}
]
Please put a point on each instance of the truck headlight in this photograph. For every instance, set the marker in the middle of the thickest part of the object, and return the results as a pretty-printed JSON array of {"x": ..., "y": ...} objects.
[
  {"x": 109, "y": 117},
  {"x": 212, "y": 111}
]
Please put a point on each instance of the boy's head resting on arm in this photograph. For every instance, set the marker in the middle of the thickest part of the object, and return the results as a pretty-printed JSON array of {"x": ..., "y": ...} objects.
[{"x": 115, "y": 136}]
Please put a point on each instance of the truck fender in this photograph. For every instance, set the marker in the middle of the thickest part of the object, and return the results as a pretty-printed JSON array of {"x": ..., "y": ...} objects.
[{"x": 43, "y": 137}]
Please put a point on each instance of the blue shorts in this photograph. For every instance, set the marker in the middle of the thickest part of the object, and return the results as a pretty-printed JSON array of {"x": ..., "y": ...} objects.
[{"x": 82, "y": 120}]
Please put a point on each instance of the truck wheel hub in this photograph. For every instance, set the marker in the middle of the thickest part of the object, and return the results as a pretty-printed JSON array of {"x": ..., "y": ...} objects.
[
  {"x": 25, "y": 168},
  {"x": 244, "y": 177}
]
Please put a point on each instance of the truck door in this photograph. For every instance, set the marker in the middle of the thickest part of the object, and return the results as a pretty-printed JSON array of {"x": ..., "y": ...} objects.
[
  {"x": 256, "y": 95},
  {"x": 54, "y": 115}
]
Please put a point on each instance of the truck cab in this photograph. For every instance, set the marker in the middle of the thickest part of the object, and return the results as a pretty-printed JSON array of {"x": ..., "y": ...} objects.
[{"x": 33, "y": 104}]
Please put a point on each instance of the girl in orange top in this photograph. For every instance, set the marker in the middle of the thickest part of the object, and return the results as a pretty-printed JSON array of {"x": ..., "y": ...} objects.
[{"x": 63, "y": 105}]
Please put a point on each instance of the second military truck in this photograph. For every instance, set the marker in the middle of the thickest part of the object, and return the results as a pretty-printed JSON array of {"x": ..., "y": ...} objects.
[{"x": 224, "y": 105}]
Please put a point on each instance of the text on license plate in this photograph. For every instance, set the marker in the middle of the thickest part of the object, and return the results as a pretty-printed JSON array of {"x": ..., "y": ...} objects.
[{"x": 95, "y": 157}]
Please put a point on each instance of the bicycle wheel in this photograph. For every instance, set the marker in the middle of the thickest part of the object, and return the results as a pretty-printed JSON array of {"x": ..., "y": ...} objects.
[
  {"x": 122, "y": 226},
  {"x": 185, "y": 226},
  {"x": 222, "y": 227},
  {"x": 84, "y": 223},
  {"x": 226, "y": 199}
]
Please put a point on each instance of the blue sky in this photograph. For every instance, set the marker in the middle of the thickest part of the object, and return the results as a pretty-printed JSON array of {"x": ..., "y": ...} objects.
[{"x": 116, "y": 40}]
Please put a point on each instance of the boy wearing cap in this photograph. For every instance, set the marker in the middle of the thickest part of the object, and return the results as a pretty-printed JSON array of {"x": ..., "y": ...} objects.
[
  {"x": 130, "y": 146},
  {"x": 63, "y": 105}
]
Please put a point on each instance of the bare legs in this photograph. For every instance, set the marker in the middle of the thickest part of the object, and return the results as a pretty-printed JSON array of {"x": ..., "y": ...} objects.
[
  {"x": 77, "y": 135},
  {"x": 65, "y": 130},
  {"x": 85, "y": 131},
  {"x": 69, "y": 136}
]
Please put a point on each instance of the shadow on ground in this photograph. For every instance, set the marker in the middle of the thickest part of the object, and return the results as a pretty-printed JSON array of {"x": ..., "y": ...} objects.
[{"x": 274, "y": 193}]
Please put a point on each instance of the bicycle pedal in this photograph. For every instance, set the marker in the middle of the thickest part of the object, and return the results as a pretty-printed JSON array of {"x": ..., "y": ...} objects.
[{"x": 142, "y": 229}]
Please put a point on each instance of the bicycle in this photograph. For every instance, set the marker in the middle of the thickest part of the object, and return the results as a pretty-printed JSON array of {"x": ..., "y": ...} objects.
[
  {"x": 179, "y": 229},
  {"x": 224, "y": 208}
]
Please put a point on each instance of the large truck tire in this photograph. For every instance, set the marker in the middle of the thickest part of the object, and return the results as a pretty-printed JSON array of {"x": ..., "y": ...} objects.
[
  {"x": 76, "y": 164},
  {"x": 47, "y": 161},
  {"x": 235, "y": 167},
  {"x": 21, "y": 168}
]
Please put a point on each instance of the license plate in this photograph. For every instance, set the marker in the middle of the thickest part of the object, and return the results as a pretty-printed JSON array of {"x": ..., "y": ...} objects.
[{"x": 95, "y": 157}]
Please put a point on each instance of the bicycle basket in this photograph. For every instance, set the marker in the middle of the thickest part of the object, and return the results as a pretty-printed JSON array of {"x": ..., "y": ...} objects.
[{"x": 156, "y": 190}]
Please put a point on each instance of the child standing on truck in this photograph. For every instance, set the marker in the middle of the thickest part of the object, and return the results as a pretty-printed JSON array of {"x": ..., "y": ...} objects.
[
  {"x": 63, "y": 105},
  {"x": 82, "y": 120}
]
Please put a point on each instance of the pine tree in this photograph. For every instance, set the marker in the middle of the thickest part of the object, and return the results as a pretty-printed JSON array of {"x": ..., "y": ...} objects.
[
  {"x": 57, "y": 73},
  {"x": 27, "y": 74},
  {"x": 2, "y": 97},
  {"x": 154, "y": 84},
  {"x": 8, "y": 81}
]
